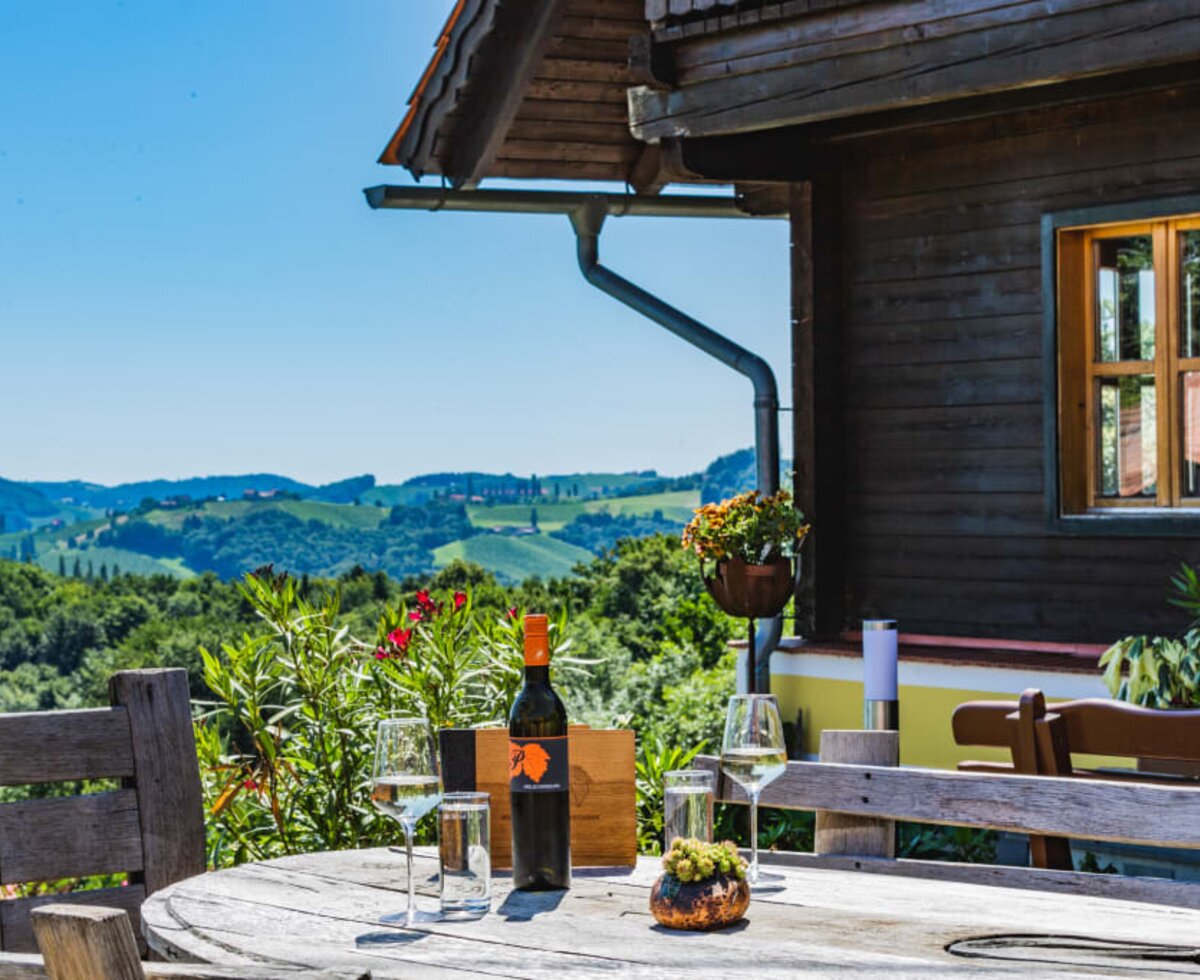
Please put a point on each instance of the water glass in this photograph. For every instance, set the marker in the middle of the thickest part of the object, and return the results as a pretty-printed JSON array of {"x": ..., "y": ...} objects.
[
  {"x": 465, "y": 845},
  {"x": 687, "y": 805}
]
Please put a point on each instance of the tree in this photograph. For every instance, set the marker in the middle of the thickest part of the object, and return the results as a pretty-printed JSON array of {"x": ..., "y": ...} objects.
[
  {"x": 557, "y": 491},
  {"x": 116, "y": 571},
  {"x": 77, "y": 571},
  {"x": 533, "y": 518},
  {"x": 379, "y": 586},
  {"x": 90, "y": 574},
  {"x": 103, "y": 571},
  {"x": 62, "y": 566}
]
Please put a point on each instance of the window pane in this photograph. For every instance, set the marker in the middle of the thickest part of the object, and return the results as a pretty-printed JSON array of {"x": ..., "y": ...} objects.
[
  {"x": 1191, "y": 434},
  {"x": 1189, "y": 300},
  {"x": 1127, "y": 433},
  {"x": 1125, "y": 299}
]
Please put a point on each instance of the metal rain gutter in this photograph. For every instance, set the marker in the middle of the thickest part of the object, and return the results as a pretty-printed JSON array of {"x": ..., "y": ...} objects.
[{"x": 587, "y": 212}]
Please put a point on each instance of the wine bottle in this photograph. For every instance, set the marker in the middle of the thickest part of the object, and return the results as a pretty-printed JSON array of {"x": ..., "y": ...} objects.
[{"x": 538, "y": 770}]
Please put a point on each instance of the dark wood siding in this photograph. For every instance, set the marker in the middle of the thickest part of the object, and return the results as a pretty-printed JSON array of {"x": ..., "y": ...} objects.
[{"x": 943, "y": 372}]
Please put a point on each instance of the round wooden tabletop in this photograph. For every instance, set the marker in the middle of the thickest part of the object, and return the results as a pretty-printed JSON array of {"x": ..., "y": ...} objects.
[{"x": 321, "y": 911}]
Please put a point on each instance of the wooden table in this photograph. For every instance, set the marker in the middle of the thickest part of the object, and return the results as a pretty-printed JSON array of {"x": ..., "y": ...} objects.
[{"x": 321, "y": 911}]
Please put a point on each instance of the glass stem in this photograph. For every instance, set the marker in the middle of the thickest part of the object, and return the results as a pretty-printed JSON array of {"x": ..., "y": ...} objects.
[
  {"x": 753, "y": 872},
  {"x": 412, "y": 891}
]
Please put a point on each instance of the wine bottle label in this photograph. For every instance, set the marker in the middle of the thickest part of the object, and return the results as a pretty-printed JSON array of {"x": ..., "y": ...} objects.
[{"x": 538, "y": 765}]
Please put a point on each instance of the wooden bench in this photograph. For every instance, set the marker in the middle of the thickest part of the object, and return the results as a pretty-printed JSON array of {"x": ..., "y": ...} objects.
[
  {"x": 87, "y": 942},
  {"x": 874, "y": 796},
  {"x": 1043, "y": 741},
  {"x": 152, "y": 827}
]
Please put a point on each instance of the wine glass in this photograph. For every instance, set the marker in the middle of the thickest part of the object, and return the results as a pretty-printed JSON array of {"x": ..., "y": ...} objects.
[
  {"x": 405, "y": 785},
  {"x": 753, "y": 754}
]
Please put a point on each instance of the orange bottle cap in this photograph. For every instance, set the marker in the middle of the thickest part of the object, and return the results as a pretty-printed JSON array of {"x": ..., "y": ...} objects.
[{"x": 537, "y": 644}]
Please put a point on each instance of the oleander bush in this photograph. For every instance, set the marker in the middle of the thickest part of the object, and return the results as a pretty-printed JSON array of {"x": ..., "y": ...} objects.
[{"x": 285, "y": 745}]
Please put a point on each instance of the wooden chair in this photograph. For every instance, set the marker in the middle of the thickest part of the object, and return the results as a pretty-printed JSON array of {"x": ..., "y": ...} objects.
[
  {"x": 87, "y": 942},
  {"x": 151, "y": 827},
  {"x": 867, "y": 799},
  {"x": 1042, "y": 742}
]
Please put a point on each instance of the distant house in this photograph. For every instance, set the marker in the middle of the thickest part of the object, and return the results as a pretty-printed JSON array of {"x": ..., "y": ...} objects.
[{"x": 252, "y": 494}]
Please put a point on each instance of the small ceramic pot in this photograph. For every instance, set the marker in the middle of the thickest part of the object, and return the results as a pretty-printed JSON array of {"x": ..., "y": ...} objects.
[
  {"x": 753, "y": 591},
  {"x": 713, "y": 904}
]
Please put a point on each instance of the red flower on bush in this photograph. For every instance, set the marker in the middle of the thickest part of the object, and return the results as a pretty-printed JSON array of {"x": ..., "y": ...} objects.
[
  {"x": 512, "y": 612},
  {"x": 416, "y": 615},
  {"x": 381, "y": 653},
  {"x": 424, "y": 601},
  {"x": 249, "y": 784},
  {"x": 460, "y": 600},
  {"x": 400, "y": 638}
]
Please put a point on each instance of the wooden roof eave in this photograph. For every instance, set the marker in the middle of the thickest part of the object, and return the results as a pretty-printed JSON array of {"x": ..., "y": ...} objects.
[
  {"x": 529, "y": 90},
  {"x": 854, "y": 60},
  {"x": 438, "y": 91}
]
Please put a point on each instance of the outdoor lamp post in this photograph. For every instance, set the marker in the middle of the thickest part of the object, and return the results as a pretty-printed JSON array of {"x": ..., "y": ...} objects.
[{"x": 881, "y": 700}]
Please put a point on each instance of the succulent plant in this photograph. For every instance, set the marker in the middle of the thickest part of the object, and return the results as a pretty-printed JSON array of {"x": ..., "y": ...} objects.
[{"x": 693, "y": 860}]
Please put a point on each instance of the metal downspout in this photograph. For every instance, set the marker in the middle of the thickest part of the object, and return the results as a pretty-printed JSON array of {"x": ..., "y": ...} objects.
[
  {"x": 587, "y": 213},
  {"x": 587, "y": 222}
]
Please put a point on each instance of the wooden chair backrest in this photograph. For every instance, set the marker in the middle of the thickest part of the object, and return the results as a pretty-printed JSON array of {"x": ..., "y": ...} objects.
[
  {"x": 1119, "y": 811},
  {"x": 1042, "y": 741},
  {"x": 152, "y": 827},
  {"x": 1093, "y": 727}
]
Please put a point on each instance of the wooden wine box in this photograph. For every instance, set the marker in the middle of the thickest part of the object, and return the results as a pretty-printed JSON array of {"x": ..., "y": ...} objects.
[{"x": 603, "y": 790}]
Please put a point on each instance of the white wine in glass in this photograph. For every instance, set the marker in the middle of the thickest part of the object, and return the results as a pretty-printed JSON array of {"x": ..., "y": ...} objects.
[
  {"x": 405, "y": 785},
  {"x": 753, "y": 754}
]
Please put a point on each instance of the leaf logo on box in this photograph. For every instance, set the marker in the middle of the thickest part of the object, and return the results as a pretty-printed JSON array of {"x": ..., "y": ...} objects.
[{"x": 529, "y": 758}]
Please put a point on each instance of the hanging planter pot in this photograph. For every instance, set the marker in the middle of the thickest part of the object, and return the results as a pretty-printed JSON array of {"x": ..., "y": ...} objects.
[{"x": 751, "y": 591}]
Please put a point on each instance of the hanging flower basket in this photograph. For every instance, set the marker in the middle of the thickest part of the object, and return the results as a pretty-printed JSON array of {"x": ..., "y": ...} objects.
[
  {"x": 752, "y": 591},
  {"x": 745, "y": 546}
]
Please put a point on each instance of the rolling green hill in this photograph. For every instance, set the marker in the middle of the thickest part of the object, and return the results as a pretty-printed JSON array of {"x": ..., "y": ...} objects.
[
  {"x": 126, "y": 561},
  {"x": 675, "y": 505},
  {"x": 336, "y": 515},
  {"x": 515, "y": 559}
]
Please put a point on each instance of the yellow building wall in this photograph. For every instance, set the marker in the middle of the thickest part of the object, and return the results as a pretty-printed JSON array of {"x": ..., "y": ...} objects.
[{"x": 925, "y": 736}]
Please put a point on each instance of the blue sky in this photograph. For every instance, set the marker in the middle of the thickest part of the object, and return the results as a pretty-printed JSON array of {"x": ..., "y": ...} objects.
[{"x": 191, "y": 283}]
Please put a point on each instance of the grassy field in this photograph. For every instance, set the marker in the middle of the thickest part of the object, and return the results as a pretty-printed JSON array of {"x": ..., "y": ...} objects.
[
  {"x": 675, "y": 505},
  {"x": 551, "y": 516},
  {"x": 515, "y": 559},
  {"x": 337, "y": 515},
  {"x": 126, "y": 561}
]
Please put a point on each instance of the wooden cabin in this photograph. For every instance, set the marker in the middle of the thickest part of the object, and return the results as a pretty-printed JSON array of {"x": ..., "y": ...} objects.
[{"x": 995, "y": 213}]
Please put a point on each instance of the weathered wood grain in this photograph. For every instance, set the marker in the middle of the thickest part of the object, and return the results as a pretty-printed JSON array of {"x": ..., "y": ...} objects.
[
  {"x": 169, "y": 805},
  {"x": 1097, "y": 810},
  {"x": 56, "y": 746},
  {"x": 76, "y": 835},
  {"x": 1154, "y": 891},
  {"x": 839, "y": 833},
  {"x": 17, "y": 929},
  {"x": 498, "y": 85},
  {"x": 83, "y": 942},
  {"x": 1041, "y": 44},
  {"x": 322, "y": 910}
]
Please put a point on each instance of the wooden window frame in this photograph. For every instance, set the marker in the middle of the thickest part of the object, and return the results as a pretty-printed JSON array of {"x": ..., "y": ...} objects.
[{"x": 1068, "y": 296}]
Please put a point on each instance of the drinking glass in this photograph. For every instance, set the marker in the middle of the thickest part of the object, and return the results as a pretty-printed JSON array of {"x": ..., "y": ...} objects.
[
  {"x": 405, "y": 786},
  {"x": 464, "y": 844},
  {"x": 753, "y": 754},
  {"x": 687, "y": 805}
]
